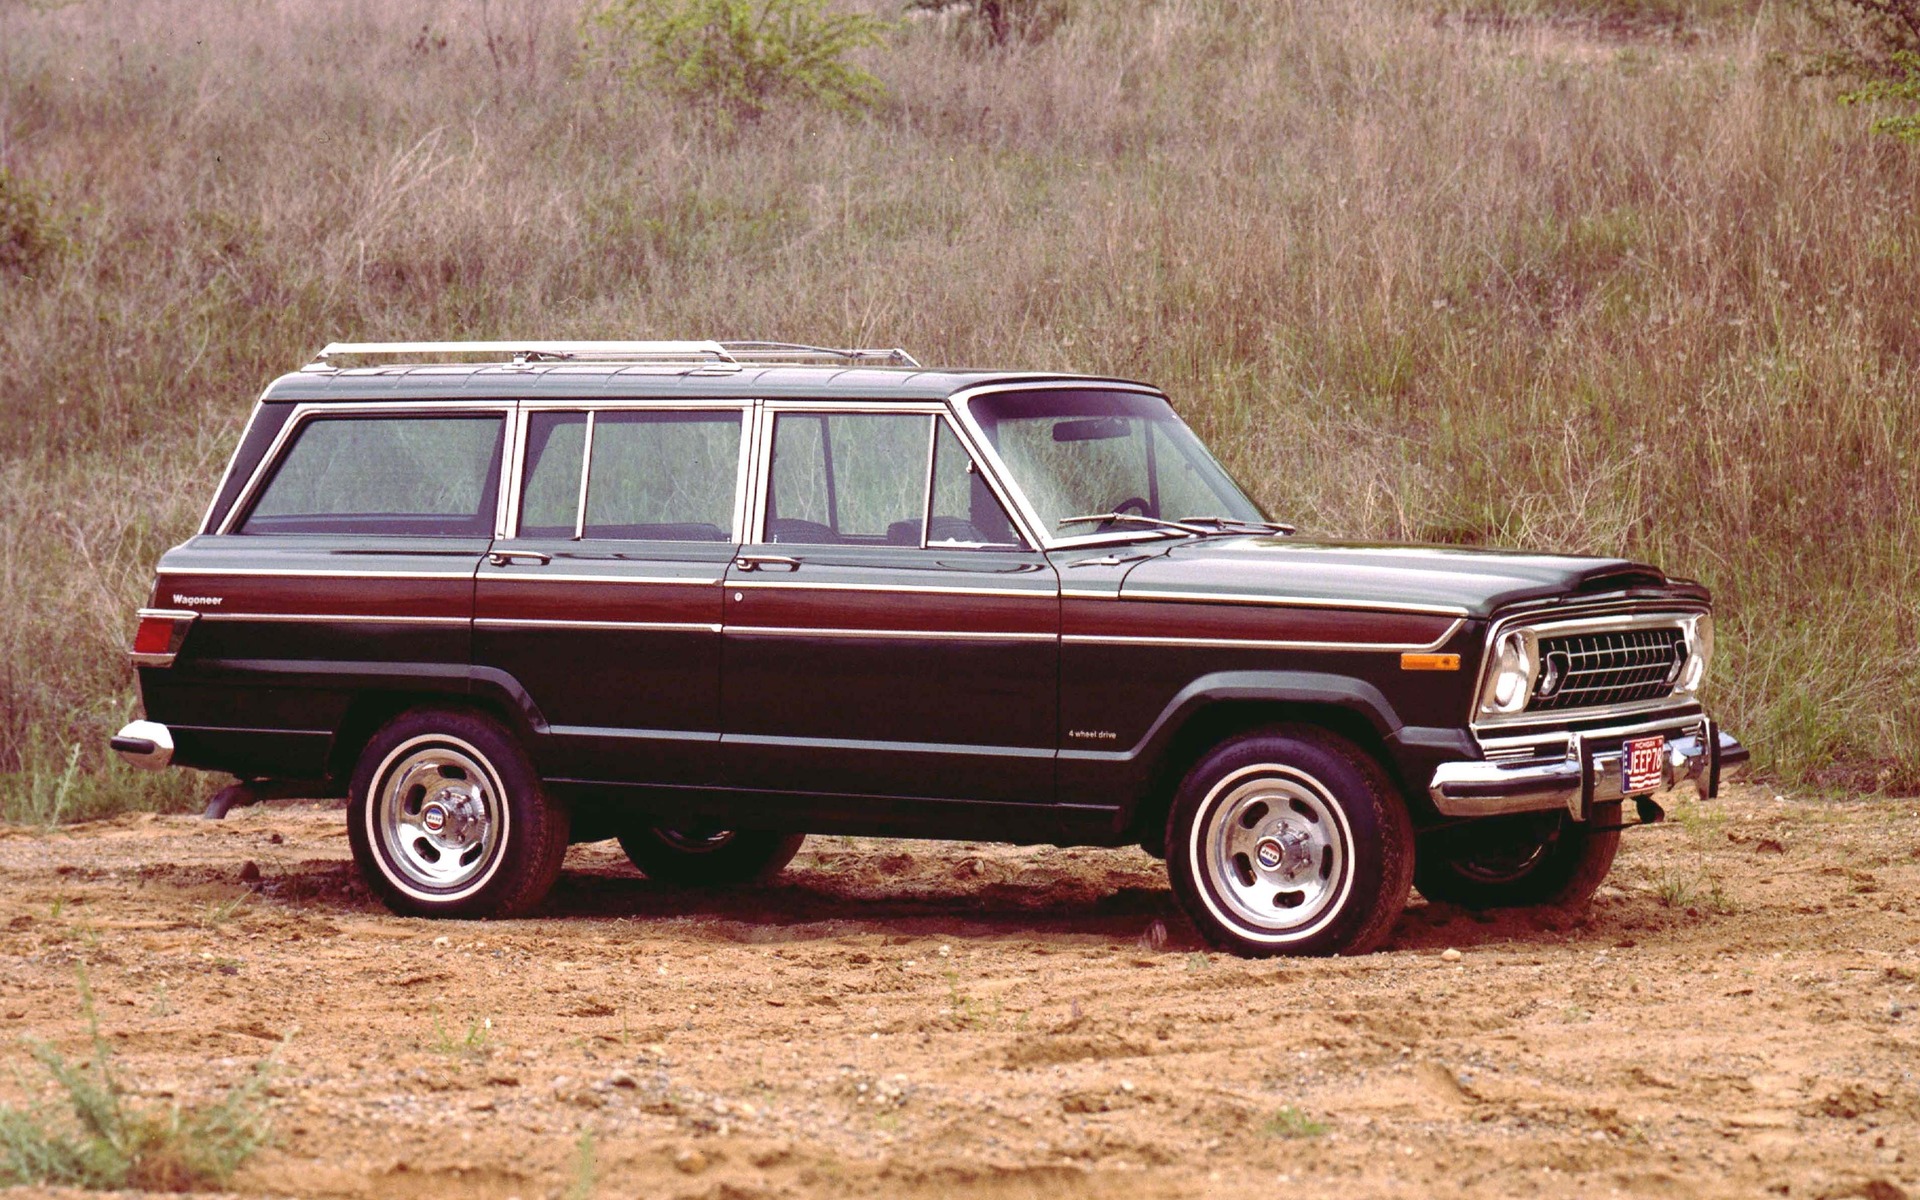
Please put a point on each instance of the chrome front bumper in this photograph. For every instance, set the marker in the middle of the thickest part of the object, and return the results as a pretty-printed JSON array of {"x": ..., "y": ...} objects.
[{"x": 1589, "y": 774}]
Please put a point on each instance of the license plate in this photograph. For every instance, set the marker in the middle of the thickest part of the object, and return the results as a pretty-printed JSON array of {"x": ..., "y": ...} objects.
[{"x": 1643, "y": 766}]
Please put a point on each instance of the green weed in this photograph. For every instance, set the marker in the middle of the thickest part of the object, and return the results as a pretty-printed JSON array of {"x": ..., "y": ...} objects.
[
  {"x": 475, "y": 1043},
  {"x": 105, "y": 1140},
  {"x": 1290, "y": 1122},
  {"x": 586, "y": 1172}
]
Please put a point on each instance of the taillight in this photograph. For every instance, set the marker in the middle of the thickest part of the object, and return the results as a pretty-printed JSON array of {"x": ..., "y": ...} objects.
[{"x": 159, "y": 636}]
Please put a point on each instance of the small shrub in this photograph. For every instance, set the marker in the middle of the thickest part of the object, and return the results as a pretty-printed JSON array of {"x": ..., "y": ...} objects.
[
  {"x": 30, "y": 233},
  {"x": 1290, "y": 1122},
  {"x": 1902, "y": 90},
  {"x": 1875, "y": 43},
  {"x": 112, "y": 1144},
  {"x": 741, "y": 57}
]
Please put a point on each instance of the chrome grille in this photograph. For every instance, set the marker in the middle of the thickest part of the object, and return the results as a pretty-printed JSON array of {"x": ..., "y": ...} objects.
[{"x": 1597, "y": 669}]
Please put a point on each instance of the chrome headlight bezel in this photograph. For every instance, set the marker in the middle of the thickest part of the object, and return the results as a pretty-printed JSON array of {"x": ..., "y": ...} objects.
[
  {"x": 1693, "y": 674},
  {"x": 1513, "y": 665}
]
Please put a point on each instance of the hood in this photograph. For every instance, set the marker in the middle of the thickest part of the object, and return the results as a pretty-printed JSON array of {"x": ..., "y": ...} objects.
[{"x": 1480, "y": 582}]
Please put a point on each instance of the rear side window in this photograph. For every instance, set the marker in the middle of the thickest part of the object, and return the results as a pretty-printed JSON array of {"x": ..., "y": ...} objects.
[
  {"x": 649, "y": 476},
  {"x": 393, "y": 476}
]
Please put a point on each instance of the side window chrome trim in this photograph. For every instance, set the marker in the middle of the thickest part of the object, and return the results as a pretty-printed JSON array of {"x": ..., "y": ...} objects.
[{"x": 306, "y": 412}]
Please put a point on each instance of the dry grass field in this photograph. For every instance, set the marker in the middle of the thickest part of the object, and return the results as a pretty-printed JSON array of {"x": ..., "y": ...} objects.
[{"x": 1582, "y": 275}]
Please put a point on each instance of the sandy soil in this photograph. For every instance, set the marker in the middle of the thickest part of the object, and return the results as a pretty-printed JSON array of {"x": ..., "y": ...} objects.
[{"x": 1735, "y": 1015}]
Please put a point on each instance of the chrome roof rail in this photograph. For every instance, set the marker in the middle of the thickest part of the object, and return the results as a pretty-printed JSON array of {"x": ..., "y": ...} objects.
[
  {"x": 530, "y": 351},
  {"x": 522, "y": 353},
  {"x": 787, "y": 352}
]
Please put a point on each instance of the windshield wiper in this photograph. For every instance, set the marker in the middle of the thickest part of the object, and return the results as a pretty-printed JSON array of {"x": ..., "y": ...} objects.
[
  {"x": 1222, "y": 524},
  {"x": 1134, "y": 518}
]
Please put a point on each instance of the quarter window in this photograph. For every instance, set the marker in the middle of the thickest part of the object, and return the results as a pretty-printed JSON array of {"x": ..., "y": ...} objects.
[{"x": 394, "y": 476}]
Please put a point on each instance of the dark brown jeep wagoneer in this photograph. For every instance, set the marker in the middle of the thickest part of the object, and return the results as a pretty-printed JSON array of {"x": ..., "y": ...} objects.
[{"x": 710, "y": 597}]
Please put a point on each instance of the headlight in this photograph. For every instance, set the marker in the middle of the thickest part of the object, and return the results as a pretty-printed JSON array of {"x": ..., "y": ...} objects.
[
  {"x": 1510, "y": 677},
  {"x": 1699, "y": 653}
]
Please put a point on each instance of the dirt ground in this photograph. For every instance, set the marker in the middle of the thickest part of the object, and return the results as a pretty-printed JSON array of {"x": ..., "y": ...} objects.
[{"x": 1735, "y": 1015}]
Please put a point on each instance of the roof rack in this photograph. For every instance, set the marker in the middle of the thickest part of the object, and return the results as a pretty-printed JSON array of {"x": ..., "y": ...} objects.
[{"x": 521, "y": 353}]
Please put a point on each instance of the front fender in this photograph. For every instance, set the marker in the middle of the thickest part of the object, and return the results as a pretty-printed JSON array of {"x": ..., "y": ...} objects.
[{"x": 1226, "y": 702}]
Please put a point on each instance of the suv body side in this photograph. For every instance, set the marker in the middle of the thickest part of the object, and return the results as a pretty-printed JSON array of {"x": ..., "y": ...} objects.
[{"x": 1015, "y": 687}]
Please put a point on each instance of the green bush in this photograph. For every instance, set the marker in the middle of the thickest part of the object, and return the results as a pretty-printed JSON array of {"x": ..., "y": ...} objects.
[
  {"x": 30, "y": 233},
  {"x": 1875, "y": 43},
  {"x": 739, "y": 58},
  {"x": 1902, "y": 90}
]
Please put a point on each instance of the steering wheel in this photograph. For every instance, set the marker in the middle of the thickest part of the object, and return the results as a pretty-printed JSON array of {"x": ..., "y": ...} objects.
[{"x": 1137, "y": 503}]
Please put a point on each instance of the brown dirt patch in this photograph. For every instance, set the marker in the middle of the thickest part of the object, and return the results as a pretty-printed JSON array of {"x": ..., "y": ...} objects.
[{"x": 1735, "y": 1015}]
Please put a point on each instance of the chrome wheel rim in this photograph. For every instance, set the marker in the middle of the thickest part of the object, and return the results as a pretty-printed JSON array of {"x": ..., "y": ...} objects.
[
  {"x": 1275, "y": 852},
  {"x": 439, "y": 816},
  {"x": 697, "y": 840}
]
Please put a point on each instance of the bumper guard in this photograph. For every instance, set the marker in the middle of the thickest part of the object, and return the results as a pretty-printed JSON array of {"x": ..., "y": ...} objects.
[{"x": 1590, "y": 773}]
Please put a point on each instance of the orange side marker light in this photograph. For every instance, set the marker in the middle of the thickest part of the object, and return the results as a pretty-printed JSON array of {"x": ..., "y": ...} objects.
[{"x": 1429, "y": 662}]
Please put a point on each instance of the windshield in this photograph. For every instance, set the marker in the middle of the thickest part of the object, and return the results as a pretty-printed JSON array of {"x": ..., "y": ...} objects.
[{"x": 1083, "y": 452}]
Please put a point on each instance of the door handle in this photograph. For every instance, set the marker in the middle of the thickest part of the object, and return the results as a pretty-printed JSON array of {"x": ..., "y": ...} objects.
[
  {"x": 501, "y": 558},
  {"x": 762, "y": 562}
]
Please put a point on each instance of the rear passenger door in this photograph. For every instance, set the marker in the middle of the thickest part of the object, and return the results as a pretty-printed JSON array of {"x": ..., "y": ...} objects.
[
  {"x": 889, "y": 632},
  {"x": 604, "y": 599}
]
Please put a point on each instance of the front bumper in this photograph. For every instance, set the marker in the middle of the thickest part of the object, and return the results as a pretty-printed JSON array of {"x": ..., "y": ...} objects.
[{"x": 1589, "y": 774}]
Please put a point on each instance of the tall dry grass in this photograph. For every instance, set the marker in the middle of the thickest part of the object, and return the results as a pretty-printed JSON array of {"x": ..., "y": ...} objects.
[{"x": 1414, "y": 274}]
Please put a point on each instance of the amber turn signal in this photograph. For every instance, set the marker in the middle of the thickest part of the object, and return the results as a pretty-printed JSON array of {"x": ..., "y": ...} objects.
[{"x": 1429, "y": 662}]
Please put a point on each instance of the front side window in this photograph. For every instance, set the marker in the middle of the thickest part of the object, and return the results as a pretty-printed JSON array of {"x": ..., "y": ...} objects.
[
  {"x": 649, "y": 476},
  {"x": 848, "y": 478},
  {"x": 1080, "y": 453},
  {"x": 394, "y": 476},
  {"x": 879, "y": 479}
]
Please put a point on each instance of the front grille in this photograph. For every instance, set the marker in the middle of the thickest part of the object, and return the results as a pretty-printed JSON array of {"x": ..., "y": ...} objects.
[{"x": 1599, "y": 669}]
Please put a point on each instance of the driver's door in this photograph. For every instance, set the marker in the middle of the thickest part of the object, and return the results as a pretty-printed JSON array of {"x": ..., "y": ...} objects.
[{"x": 887, "y": 631}]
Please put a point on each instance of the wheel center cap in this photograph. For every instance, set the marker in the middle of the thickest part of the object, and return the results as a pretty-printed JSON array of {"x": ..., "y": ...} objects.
[
  {"x": 434, "y": 817},
  {"x": 1285, "y": 850}
]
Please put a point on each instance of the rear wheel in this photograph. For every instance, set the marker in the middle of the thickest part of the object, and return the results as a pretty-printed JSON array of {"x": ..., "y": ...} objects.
[
  {"x": 1526, "y": 859},
  {"x": 1290, "y": 840},
  {"x": 700, "y": 856},
  {"x": 447, "y": 818}
]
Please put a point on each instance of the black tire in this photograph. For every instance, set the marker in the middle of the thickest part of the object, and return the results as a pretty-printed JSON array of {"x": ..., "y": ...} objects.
[
  {"x": 447, "y": 818},
  {"x": 1328, "y": 847},
  {"x": 1517, "y": 861},
  {"x": 709, "y": 858}
]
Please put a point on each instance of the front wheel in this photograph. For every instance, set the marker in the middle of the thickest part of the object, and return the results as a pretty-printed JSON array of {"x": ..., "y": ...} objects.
[
  {"x": 1290, "y": 840},
  {"x": 1521, "y": 860},
  {"x": 447, "y": 818},
  {"x": 697, "y": 856}
]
